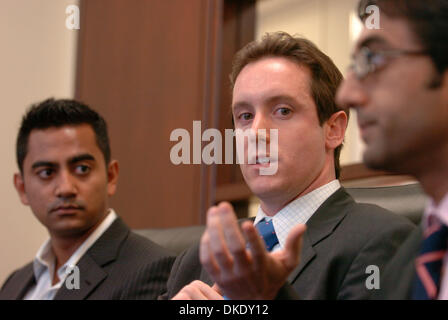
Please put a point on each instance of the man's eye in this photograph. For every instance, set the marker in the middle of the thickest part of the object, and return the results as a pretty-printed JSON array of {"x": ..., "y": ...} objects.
[
  {"x": 376, "y": 59},
  {"x": 283, "y": 111},
  {"x": 82, "y": 169},
  {"x": 245, "y": 116},
  {"x": 45, "y": 173}
]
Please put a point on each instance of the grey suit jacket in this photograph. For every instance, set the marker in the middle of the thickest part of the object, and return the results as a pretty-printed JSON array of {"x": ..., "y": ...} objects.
[
  {"x": 119, "y": 265},
  {"x": 342, "y": 239},
  {"x": 399, "y": 275}
]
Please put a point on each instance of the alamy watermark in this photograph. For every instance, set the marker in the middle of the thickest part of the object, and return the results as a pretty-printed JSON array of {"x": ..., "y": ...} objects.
[
  {"x": 373, "y": 280},
  {"x": 72, "y": 280},
  {"x": 72, "y": 22},
  {"x": 251, "y": 147},
  {"x": 373, "y": 20}
]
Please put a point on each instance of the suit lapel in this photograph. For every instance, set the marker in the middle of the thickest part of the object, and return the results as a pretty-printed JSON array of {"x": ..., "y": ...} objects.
[
  {"x": 91, "y": 275},
  {"x": 306, "y": 256},
  {"x": 321, "y": 225},
  {"x": 103, "y": 251},
  {"x": 18, "y": 291}
]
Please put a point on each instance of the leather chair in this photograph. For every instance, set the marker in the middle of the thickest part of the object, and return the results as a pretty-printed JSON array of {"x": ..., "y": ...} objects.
[
  {"x": 174, "y": 239},
  {"x": 406, "y": 200}
]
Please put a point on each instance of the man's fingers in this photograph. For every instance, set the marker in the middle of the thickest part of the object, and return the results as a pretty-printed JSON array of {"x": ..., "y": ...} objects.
[
  {"x": 206, "y": 258},
  {"x": 197, "y": 290},
  {"x": 232, "y": 234},
  {"x": 217, "y": 289},
  {"x": 256, "y": 245},
  {"x": 293, "y": 246},
  {"x": 208, "y": 292},
  {"x": 217, "y": 245}
]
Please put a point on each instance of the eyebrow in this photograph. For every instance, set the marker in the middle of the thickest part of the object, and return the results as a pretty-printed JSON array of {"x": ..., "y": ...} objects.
[
  {"x": 240, "y": 104},
  {"x": 270, "y": 100},
  {"x": 81, "y": 157},
  {"x": 73, "y": 160},
  {"x": 282, "y": 97},
  {"x": 371, "y": 40},
  {"x": 43, "y": 164}
]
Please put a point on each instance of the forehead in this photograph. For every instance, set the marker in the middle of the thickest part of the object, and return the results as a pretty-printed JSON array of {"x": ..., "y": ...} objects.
[
  {"x": 272, "y": 76},
  {"x": 60, "y": 144},
  {"x": 393, "y": 33}
]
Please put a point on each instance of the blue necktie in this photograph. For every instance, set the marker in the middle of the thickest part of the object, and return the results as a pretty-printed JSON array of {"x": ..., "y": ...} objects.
[
  {"x": 429, "y": 263},
  {"x": 267, "y": 232}
]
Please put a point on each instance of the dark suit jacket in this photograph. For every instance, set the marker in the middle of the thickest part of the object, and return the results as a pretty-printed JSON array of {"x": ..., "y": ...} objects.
[
  {"x": 119, "y": 265},
  {"x": 342, "y": 239},
  {"x": 399, "y": 275}
]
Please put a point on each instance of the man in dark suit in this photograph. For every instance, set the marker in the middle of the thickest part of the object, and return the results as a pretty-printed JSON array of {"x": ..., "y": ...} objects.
[
  {"x": 288, "y": 84},
  {"x": 399, "y": 86},
  {"x": 66, "y": 177}
]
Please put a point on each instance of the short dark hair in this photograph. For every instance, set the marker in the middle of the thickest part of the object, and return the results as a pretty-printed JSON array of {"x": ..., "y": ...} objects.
[
  {"x": 58, "y": 113},
  {"x": 326, "y": 77},
  {"x": 428, "y": 20}
]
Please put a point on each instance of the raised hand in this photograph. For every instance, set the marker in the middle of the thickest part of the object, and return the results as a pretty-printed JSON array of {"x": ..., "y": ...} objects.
[{"x": 237, "y": 260}]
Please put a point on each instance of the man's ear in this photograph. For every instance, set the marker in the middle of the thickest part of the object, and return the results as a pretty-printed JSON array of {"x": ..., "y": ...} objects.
[
  {"x": 335, "y": 129},
  {"x": 112, "y": 177},
  {"x": 19, "y": 184}
]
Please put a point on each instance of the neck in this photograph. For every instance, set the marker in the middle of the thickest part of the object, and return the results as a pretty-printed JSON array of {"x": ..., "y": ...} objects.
[
  {"x": 432, "y": 173},
  {"x": 272, "y": 205},
  {"x": 435, "y": 183},
  {"x": 64, "y": 246}
]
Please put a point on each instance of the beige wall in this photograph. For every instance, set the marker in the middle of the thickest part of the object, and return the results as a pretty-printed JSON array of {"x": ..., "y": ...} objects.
[
  {"x": 37, "y": 60},
  {"x": 326, "y": 23}
]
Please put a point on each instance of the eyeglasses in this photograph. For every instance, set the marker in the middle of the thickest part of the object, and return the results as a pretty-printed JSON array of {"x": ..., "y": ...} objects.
[{"x": 367, "y": 61}]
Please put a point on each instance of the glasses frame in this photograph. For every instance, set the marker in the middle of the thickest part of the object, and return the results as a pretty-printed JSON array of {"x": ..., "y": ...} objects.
[{"x": 367, "y": 54}]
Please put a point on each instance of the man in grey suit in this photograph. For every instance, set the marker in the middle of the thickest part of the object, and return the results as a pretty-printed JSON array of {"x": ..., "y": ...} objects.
[
  {"x": 399, "y": 86},
  {"x": 288, "y": 84},
  {"x": 66, "y": 177}
]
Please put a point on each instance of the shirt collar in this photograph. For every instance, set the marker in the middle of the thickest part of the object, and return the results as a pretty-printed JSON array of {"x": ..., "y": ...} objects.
[
  {"x": 45, "y": 258},
  {"x": 298, "y": 211},
  {"x": 439, "y": 212}
]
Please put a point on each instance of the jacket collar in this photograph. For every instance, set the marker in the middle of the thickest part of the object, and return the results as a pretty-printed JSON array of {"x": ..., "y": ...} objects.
[
  {"x": 104, "y": 251},
  {"x": 27, "y": 281},
  {"x": 323, "y": 222}
]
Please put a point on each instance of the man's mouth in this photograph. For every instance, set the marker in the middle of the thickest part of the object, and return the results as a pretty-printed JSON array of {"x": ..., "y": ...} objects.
[
  {"x": 364, "y": 126},
  {"x": 263, "y": 160},
  {"x": 68, "y": 209}
]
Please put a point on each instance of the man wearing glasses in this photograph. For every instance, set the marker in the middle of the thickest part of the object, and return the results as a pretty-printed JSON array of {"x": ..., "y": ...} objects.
[{"x": 398, "y": 84}]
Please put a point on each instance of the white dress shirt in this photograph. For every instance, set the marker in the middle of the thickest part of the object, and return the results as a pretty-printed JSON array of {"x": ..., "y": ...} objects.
[
  {"x": 44, "y": 263},
  {"x": 297, "y": 211},
  {"x": 440, "y": 213}
]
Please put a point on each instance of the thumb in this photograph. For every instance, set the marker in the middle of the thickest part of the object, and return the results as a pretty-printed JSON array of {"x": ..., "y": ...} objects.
[
  {"x": 217, "y": 289},
  {"x": 293, "y": 246}
]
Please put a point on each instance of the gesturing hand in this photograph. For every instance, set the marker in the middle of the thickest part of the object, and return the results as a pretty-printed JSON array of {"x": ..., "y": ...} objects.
[
  {"x": 198, "y": 290},
  {"x": 238, "y": 261}
]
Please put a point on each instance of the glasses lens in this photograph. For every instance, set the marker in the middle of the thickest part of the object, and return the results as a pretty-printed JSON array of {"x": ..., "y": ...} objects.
[{"x": 362, "y": 62}]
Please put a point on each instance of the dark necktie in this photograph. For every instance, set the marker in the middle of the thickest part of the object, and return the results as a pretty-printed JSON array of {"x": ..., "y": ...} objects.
[
  {"x": 267, "y": 232},
  {"x": 429, "y": 263}
]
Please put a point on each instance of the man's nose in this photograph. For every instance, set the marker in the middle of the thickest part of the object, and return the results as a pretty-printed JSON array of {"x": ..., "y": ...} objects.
[
  {"x": 351, "y": 93},
  {"x": 66, "y": 185},
  {"x": 261, "y": 126}
]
